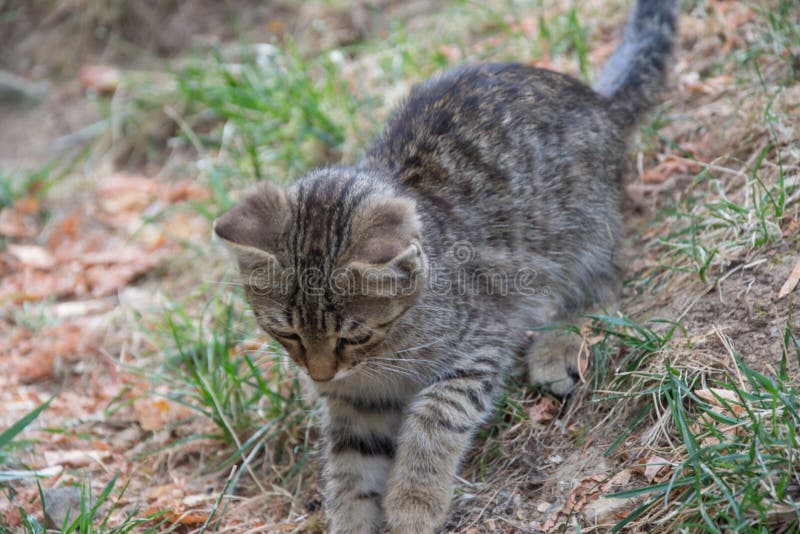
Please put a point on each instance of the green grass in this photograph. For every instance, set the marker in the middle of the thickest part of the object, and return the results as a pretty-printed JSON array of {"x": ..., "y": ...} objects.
[
  {"x": 95, "y": 514},
  {"x": 275, "y": 118},
  {"x": 716, "y": 220},
  {"x": 9, "y": 442},
  {"x": 565, "y": 35},
  {"x": 255, "y": 112},
  {"x": 780, "y": 38},
  {"x": 267, "y": 112},
  {"x": 621, "y": 363},
  {"x": 247, "y": 394},
  {"x": 735, "y": 455},
  {"x": 17, "y": 184},
  {"x": 737, "y": 461}
]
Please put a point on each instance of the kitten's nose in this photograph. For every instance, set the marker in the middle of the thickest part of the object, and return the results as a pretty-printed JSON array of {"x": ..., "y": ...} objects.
[{"x": 321, "y": 369}]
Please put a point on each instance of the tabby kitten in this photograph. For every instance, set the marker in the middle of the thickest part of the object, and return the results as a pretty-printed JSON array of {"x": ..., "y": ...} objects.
[{"x": 403, "y": 285}]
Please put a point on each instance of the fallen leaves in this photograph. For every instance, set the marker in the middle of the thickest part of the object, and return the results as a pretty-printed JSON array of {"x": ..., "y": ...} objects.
[
  {"x": 722, "y": 398},
  {"x": 588, "y": 495},
  {"x": 727, "y": 404},
  {"x": 130, "y": 195},
  {"x": 122, "y": 192},
  {"x": 72, "y": 270},
  {"x": 76, "y": 458},
  {"x": 586, "y": 490},
  {"x": 791, "y": 227},
  {"x": 33, "y": 355},
  {"x": 19, "y": 219},
  {"x": 653, "y": 466},
  {"x": 709, "y": 86},
  {"x": 82, "y": 260},
  {"x": 667, "y": 168},
  {"x": 154, "y": 413},
  {"x": 99, "y": 78},
  {"x": 32, "y": 256},
  {"x": 544, "y": 410},
  {"x": 791, "y": 282},
  {"x": 177, "y": 507},
  {"x": 96, "y": 255}
]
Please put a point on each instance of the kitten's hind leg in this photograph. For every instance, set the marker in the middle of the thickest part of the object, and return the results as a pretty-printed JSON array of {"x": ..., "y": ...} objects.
[
  {"x": 553, "y": 360},
  {"x": 556, "y": 354}
]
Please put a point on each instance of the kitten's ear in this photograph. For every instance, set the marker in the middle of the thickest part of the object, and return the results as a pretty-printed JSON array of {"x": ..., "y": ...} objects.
[
  {"x": 387, "y": 258},
  {"x": 252, "y": 228}
]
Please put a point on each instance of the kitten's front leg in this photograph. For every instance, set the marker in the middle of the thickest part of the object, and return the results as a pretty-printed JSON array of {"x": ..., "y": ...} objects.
[
  {"x": 436, "y": 432},
  {"x": 360, "y": 446}
]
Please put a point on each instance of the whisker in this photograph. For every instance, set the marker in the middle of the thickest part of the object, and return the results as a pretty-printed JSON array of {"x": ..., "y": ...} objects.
[{"x": 410, "y": 349}]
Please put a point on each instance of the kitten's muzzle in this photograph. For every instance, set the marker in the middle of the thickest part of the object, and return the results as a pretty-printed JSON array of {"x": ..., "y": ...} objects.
[
  {"x": 326, "y": 377},
  {"x": 320, "y": 361}
]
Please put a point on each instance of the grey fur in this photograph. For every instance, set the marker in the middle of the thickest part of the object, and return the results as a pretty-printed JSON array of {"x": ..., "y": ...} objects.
[
  {"x": 488, "y": 207},
  {"x": 634, "y": 76}
]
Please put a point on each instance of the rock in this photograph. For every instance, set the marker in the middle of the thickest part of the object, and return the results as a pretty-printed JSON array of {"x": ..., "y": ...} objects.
[
  {"x": 16, "y": 90},
  {"x": 60, "y": 503}
]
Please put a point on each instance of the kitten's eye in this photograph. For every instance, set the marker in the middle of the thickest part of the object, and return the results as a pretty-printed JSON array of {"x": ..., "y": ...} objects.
[
  {"x": 289, "y": 336},
  {"x": 356, "y": 341}
]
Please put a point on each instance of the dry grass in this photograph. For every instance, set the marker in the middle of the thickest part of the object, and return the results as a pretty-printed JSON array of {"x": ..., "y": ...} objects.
[{"x": 161, "y": 383}]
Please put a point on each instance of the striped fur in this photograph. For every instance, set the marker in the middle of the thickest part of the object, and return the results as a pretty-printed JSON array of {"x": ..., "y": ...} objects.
[{"x": 488, "y": 207}]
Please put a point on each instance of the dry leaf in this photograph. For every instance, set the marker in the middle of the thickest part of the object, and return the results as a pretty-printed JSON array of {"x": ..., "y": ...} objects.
[
  {"x": 155, "y": 413},
  {"x": 600, "y": 53},
  {"x": 27, "y": 205},
  {"x": 713, "y": 396},
  {"x": 14, "y": 224},
  {"x": 106, "y": 280},
  {"x": 588, "y": 489},
  {"x": 100, "y": 78},
  {"x": 654, "y": 465},
  {"x": 621, "y": 479},
  {"x": 183, "y": 191},
  {"x": 81, "y": 308},
  {"x": 76, "y": 458},
  {"x": 450, "y": 53},
  {"x": 32, "y": 256},
  {"x": 792, "y": 226},
  {"x": 172, "y": 515},
  {"x": 152, "y": 414},
  {"x": 36, "y": 354},
  {"x": 667, "y": 169},
  {"x": 791, "y": 282},
  {"x": 198, "y": 499},
  {"x": 544, "y": 410},
  {"x": 124, "y": 192},
  {"x": 710, "y": 86},
  {"x": 66, "y": 230},
  {"x": 173, "y": 491}
]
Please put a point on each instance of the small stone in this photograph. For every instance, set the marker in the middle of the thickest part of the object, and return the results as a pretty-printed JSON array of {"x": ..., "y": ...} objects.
[
  {"x": 542, "y": 507},
  {"x": 16, "y": 90},
  {"x": 60, "y": 503}
]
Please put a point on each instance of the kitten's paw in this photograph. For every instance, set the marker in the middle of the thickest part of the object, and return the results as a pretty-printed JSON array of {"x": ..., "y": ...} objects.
[
  {"x": 414, "y": 512},
  {"x": 553, "y": 361},
  {"x": 362, "y": 516}
]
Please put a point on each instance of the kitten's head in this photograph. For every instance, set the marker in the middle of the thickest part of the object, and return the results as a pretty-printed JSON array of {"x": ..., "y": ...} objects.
[{"x": 329, "y": 265}]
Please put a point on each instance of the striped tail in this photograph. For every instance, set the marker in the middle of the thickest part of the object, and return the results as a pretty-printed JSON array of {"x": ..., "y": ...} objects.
[{"x": 633, "y": 78}]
